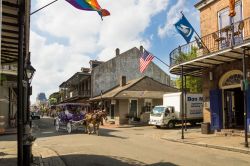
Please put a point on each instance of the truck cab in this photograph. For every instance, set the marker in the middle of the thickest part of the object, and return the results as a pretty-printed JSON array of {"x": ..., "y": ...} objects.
[{"x": 162, "y": 116}]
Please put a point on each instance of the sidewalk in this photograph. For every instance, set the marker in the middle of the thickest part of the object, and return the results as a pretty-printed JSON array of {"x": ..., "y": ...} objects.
[
  {"x": 46, "y": 157},
  {"x": 194, "y": 137},
  {"x": 42, "y": 156}
]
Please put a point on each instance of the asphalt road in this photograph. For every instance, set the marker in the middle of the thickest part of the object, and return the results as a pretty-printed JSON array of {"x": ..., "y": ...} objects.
[{"x": 128, "y": 146}]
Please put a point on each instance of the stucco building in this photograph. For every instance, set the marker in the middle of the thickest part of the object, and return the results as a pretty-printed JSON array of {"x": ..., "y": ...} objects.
[
  {"x": 133, "y": 100},
  {"x": 107, "y": 75},
  {"x": 219, "y": 62}
]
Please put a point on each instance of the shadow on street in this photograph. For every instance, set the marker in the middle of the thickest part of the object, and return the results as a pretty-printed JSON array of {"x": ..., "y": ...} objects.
[{"x": 99, "y": 160}]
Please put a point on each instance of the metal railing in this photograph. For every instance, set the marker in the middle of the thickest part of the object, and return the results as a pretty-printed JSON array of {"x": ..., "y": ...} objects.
[
  {"x": 10, "y": 68},
  {"x": 76, "y": 93},
  {"x": 227, "y": 37}
]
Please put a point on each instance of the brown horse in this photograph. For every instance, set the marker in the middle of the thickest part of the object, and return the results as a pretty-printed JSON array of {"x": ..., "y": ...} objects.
[{"x": 95, "y": 119}]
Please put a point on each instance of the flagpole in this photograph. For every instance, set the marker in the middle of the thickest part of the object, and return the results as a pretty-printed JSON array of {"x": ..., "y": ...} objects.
[
  {"x": 43, "y": 7},
  {"x": 161, "y": 61},
  {"x": 198, "y": 35}
]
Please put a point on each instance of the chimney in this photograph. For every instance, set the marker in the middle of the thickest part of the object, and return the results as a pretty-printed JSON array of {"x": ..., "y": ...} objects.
[
  {"x": 123, "y": 81},
  {"x": 117, "y": 51},
  {"x": 85, "y": 70},
  {"x": 141, "y": 49}
]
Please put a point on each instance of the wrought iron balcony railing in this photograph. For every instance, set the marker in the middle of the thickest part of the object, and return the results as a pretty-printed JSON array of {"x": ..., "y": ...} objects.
[
  {"x": 76, "y": 93},
  {"x": 227, "y": 37},
  {"x": 8, "y": 68}
]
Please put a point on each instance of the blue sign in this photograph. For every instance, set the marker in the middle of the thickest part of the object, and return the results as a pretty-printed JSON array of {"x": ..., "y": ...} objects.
[{"x": 184, "y": 28}]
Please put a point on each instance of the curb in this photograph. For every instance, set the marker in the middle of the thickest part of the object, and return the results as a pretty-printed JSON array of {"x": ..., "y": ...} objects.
[
  {"x": 48, "y": 157},
  {"x": 244, "y": 151}
]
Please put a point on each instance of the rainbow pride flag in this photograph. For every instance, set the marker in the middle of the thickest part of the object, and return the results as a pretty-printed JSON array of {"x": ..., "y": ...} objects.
[{"x": 90, "y": 5}]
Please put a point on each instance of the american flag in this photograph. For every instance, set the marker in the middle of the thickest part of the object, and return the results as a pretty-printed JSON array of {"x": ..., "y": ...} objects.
[{"x": 145, "y": 60}]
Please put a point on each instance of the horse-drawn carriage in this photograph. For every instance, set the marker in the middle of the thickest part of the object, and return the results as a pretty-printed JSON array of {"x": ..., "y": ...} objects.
[
  {"x": 75, "y": 115},
  {"x": 71, "y": 116}
]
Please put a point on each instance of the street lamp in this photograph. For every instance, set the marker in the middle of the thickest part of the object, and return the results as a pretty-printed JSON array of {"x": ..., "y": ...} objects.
[
  {"x": 28, "y": 138},
  {"x": 30, "y": 71}
]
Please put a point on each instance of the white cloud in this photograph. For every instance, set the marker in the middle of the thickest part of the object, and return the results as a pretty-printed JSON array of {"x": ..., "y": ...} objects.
[
  {"x": 173, "y": 15},
  {"x": 87, "y": 36}
]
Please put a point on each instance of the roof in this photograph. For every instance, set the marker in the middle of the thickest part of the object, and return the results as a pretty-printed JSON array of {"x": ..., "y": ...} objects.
[
  {"x": 78, "y": 76},
  {"x": 10, "y": 31},
  {"x": 139, "y": 91},
  {"x": 202, "y": 3}
]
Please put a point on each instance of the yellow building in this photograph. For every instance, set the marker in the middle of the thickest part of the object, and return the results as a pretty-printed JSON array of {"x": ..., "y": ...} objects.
[{"x": 219, "y": 62}]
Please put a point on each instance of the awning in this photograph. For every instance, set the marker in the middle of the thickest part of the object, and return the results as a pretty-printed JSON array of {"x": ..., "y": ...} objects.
[
  {"x": 9, "y": 35},
  {"x": 10, "y": 31},
  {"x": 198, "y": 65}
]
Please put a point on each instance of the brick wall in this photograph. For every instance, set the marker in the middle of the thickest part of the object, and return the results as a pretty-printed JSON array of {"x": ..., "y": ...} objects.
[
  {"x": 218, "y": 72},
  {"x": 209, "y": 15}
]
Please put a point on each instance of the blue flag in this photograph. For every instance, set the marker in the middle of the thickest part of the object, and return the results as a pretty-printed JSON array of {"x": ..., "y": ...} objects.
[{"x": 184, "y": 28}]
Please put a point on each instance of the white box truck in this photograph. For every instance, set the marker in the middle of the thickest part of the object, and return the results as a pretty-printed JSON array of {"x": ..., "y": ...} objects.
[{"x": 169, "y": 114}]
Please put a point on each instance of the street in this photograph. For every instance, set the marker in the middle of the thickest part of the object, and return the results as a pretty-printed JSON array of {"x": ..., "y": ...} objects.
[{"x": 127, "y": 146}]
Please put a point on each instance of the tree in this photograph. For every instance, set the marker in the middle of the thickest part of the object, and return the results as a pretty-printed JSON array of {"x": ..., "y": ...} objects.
[
  {"x": 193, "y": 84},
  {"x": 52, "y": 101},
  {"x": 54, "y": 98}
]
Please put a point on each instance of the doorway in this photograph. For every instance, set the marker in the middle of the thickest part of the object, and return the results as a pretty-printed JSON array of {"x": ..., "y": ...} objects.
[
  {"x": 233, "y": 108},
  {"x": 112, "y": 111},
  {"x": 133, "y": 108}
]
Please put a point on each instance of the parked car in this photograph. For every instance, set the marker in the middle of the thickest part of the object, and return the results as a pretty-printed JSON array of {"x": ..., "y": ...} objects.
[{"x": 35, "y": 115}]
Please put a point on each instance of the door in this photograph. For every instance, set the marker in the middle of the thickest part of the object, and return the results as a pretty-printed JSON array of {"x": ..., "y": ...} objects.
[
  {"x": 216, "y": 109},
  {"x": 229, "y": 109},
  {"x": 133, "y": 108},
  {"x": 248, "y": 108},
  {"x": 112, "y": 111}
]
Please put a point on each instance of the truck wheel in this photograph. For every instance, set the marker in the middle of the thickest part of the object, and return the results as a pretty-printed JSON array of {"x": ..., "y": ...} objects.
[
  {"x": 171, "y": 125},
  {"x": 158, "y": 127}
]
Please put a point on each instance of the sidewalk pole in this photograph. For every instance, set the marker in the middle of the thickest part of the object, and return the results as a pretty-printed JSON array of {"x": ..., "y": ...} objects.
[
  {"x": 185, "y": 99},
  {"x": 245, "y": 96},
  {"x": 182, "y": 104},
  {"x": 20, "y": 104}
]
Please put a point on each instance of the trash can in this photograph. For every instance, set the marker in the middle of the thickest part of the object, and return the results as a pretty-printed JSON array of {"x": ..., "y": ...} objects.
[{"x": 205, "y": 128}]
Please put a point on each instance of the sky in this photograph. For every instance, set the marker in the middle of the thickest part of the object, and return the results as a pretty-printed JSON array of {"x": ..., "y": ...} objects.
[{"x": 63, "y": 39}]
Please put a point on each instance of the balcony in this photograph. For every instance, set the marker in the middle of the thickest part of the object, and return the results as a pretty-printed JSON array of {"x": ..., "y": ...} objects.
[
  {"x": 8, "y": 69},
  {"x": 228, "y": 38},
  {"x": 75, "y": 95}
]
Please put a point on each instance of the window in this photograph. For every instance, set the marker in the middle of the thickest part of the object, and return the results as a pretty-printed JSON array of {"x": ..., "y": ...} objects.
[
  {"x": 147, "y": 105},
  {"x": 224, "y": 19},
  {"x": 225, "y": 22}
]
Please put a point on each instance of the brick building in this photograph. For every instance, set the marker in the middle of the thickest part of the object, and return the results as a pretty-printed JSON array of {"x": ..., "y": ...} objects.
[{"x": 219, "y": 62}]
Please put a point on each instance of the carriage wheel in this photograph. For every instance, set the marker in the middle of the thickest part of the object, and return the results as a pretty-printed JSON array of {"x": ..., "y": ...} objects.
[
  {"x": 57, "y": 124},
  {"x": 69, "y": 128}
]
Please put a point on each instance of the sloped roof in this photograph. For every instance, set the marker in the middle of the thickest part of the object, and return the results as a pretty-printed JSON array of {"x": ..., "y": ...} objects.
[
  {"x": 75, "y": 78},
  {"x": 134, "y": 89}
]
